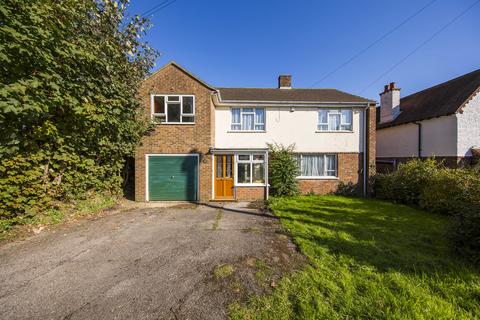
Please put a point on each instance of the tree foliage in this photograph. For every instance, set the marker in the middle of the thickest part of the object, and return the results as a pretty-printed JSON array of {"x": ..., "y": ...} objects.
[
  {"x": 283, "y": 170},
  {"x": 69, "y": 116}
]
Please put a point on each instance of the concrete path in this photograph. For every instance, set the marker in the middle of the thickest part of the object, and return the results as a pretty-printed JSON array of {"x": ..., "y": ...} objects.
[{"x": 150, "y": 263}]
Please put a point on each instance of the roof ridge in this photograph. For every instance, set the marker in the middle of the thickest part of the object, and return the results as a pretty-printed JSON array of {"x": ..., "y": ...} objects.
[{"x": 442, "y": 83}]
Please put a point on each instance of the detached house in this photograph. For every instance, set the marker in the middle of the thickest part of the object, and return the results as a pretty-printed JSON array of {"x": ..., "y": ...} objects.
[
  {"x": 442, "y": 122},
  {"x": 210, "y": 143}
]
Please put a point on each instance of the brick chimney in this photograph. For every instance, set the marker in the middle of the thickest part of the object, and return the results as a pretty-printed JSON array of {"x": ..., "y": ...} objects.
[
  {"x": 389, "y": 103},
  {"x": 285, "y": 82}
]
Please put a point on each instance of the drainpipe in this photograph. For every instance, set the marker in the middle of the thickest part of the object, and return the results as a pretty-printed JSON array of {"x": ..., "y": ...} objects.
[
  {"x": 419, "y": 125},
  {"x": 365, "y": 112}
]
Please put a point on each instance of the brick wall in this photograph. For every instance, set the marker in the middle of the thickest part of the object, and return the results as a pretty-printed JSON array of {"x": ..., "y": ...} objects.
[
  {"x": 250, "y": 193},
  {"x": 165, "y": 138},
  {"x": 349, "y": 170}
]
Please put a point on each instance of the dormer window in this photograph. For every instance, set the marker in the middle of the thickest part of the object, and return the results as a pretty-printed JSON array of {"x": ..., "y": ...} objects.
[{"x": 173, "y": 109}]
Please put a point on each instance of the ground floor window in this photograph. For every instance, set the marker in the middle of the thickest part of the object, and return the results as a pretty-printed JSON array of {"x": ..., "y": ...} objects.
[
  {"x": 317, "y": 165},
  {"x": 250, "y": 168}
]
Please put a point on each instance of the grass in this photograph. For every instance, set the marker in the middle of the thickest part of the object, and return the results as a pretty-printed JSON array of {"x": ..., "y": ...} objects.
[
  {"x": 23, "y": 225},
  {"x": 223, "y": 271},
  {"x": 368, "y": 259}
]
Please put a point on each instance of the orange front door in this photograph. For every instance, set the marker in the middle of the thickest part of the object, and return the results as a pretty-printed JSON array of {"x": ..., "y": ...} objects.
[{"x": 224, "y": 176}]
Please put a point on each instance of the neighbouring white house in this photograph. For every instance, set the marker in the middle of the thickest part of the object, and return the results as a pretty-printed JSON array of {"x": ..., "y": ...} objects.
[
  {"x": 442, "y": 122},
  {"x": 211, "y": 143}
]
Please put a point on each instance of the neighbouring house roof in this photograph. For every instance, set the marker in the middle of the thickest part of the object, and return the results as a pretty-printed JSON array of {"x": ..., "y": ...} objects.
[
  {"x": 441, "y": 100},
  {"x": 293, "y": 96}
]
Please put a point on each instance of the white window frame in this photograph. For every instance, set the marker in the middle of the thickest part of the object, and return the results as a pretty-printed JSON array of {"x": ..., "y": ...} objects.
[
  {"x": 255, "y": 123},
  {"x": 166, "y": 96},
  {"x": 250, "y": 161},
  {"x": 334, "y": 112},
  {"x": 325, "y": 166}
]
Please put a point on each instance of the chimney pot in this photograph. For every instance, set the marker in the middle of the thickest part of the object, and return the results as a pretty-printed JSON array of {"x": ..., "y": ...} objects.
[
  {"x": 285, "y": 81},
  {"x": 385, "y": 89},
  {"x": 392, "y": 85}
]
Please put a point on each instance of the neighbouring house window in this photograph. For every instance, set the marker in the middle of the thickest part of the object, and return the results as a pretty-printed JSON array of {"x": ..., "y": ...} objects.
[
  {"x": 248, "y": 119},
  {"x": 335, "y": 120},
  {"x": 173, "y": 108},
  {"x": 251, "y": 168},
  {"x": 317, "y": 165}
]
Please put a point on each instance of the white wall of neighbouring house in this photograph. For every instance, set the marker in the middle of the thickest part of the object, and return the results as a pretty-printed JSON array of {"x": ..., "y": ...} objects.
[
  {"x": 469, "y": 127},
  {"x": 439, "y": 138},
  {"x": 396, "y": 142},
  {"x": 286, "y": 127}
]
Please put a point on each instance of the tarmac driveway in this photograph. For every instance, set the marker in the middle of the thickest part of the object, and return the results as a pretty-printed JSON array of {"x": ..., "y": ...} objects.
[{"x": 152, "y": 263}]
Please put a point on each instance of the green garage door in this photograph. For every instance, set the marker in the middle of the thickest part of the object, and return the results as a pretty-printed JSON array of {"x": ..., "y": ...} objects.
[{"x": 173, "y": 178}]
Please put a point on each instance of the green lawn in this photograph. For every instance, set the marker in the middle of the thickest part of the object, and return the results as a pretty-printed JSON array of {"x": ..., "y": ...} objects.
[{"x": 368, "y": 259}]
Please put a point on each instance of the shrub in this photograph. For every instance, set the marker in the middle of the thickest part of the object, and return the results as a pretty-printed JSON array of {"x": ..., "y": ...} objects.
[
  {"x": 69, "y": 115},
  {"x": 464, "y": 232},
  {"x": 282, "y": 170},
  {"x": 406, "y": 184}
]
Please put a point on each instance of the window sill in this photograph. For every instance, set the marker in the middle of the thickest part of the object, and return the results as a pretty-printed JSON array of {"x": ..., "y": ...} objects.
[
  {"x": 175, "y": 123},
  {"x": 318, "y": 178},
  {"x": 250, "y": 185},
  {"x": 334, "y": 131},
  {"x": 246, "y": 131}
]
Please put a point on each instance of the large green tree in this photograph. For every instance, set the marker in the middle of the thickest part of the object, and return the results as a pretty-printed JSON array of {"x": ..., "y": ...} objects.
[{"x": 69, "y": 116}]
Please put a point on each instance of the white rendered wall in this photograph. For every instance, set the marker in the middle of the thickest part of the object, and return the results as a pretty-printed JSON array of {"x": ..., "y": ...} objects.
[
  {"x": 439, "y": 138},
  {"x": 469, "y": 127},
  {"x": 399, "y": 141},
  {"x": 282, "y": 126}
]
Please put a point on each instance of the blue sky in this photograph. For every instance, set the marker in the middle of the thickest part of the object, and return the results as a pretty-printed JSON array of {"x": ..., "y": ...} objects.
[{"x": 249, "y": 43}]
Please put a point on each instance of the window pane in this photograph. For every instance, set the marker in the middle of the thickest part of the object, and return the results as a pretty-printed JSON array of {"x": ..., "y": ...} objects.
[
  {"x": 236, "y": 127},
  {"x": 187, "y": 104},
  {"x": 322, "y": 116},
  {"x": 331, "y": 165},
  {"x": 259, "y": 115},
  {"x": 219, "y": 169},
  {"x": 346, "y": 116},
  {"x": 334, "y": 122},
  {"x": 247, "y": 121},
  {"x": 260, "y": 127},
  {"x": 188, "y": 119},
  {"x": 312, "y": 165},
  {"x": 235, "y": 115},
  {"x": 258, "y": 173},
  {"x": 173, "y": 110},
  {"x": 243, "y": 172},
  {"x": 158, "y": 119},
  {"x": 158, "y": 104},
  {"x": 228, "y": 169},
  {"x": 244, "y": 157},
  {"x": 247, "y": 109},
  {"x": 347, "y": 127},
  {"x": 323, "y": 127},
  {"x": 258, "y": 157},
  {"x": 173, "y": 98}
]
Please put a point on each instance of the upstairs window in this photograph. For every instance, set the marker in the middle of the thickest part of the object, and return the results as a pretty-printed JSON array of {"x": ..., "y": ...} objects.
[
  {"x": 335, "y": 120},
  {"x": 173, "y": 108},
  {"x": 248, "y": 119}
]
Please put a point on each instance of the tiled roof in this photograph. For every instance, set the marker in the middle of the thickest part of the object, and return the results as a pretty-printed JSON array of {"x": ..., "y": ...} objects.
[
  {"x": 289, "y": 95},
  {"x": 441, "y": 100}
]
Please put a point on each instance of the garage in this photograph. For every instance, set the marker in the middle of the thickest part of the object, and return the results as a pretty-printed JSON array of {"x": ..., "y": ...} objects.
[{"x": 172, "y": 177}]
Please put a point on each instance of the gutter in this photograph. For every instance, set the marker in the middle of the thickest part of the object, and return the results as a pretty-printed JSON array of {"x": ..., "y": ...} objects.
[{"x": 365, "y": 151}]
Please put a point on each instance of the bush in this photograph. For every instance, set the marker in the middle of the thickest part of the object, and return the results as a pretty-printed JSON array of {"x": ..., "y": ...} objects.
[
  {"x": 406, "y": 184},
  {"x": 282, "y": 170},
  {"x": 453, "y": 192},
  {"x": 69, "y": 116},
  {"x": 464, "y": 233}
]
